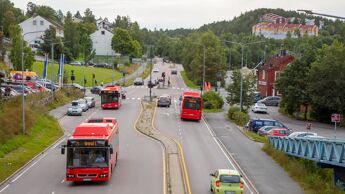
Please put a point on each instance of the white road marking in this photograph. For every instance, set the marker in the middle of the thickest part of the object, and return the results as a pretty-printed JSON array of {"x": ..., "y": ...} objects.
[
  {"x": 3, "y": 189},
  {"x": 63, "y": 180},
  {"x": 222, "y": 149},
  {"x": 133, "y": 98},
  {"x": 177, "y": 88},
  {"x": 58, "y": 143},
  {"x": 21, "y": 174},
  {"x": 138, "y": 98},
  {"x": 53, "y": 192},
  {"x": 173, "y": 88}
]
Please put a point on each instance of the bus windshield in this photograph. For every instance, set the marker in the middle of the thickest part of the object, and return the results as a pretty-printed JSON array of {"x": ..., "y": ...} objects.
[
  {"x": 80, "y": 157},
  {"x": 107, "y": 98},
  {"x": 191, "y": 103}
]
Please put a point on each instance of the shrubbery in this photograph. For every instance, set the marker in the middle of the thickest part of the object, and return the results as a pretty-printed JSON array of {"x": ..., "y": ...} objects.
[
  {"x": 240, "y": 118},
  {"x": 212, "y": 100}
]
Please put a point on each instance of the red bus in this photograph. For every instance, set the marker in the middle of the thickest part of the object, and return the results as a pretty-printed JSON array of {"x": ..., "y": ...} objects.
[
  {"x": 191, "y": 106},
  {"x": 111, "y": 97},
  {"x": 92, "y": 152}
]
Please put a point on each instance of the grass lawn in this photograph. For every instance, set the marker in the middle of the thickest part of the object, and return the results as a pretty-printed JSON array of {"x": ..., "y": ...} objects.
[
  {"x": 188, "y": 82},
  {"x": 45, "y": 132},
  {"x": 143, "y": 75},
  {"x": 101, "y": 74},
  {"x": 255, "y": 137}
]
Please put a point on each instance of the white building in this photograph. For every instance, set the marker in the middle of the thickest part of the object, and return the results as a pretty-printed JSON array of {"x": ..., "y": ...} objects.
[
  {"x": 101, "y": 41},
  {"x": 38, "y": 23},
  {"x": 103, "y": 24}
]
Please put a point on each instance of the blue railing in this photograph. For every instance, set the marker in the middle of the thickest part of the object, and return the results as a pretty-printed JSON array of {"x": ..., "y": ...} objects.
[{"x": 327, "y": 151}]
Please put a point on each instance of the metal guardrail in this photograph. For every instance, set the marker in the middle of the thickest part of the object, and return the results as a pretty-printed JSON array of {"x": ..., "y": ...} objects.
[{"x": 327, "y": 151}]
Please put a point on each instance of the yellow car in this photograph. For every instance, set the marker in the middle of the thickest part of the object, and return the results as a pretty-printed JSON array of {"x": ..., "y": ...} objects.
[{"x": 226, "y": 181}]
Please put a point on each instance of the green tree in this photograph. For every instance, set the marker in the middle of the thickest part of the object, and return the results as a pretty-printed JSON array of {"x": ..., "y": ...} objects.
[
  {"x": 9, "y": 19},
  {"x": 88, "y": 51},
  {"x": 248, "y": 89},
  {"x": 88, "y": 16},
  {"x": 136, "y": 48},
  {"x": 122, "y": 41},
  {"x": 49, "y": 37},
  {"x": 16, "y": 49},
  {"x": 326, "y": 81},
  {"x": 72, "y": 38}
]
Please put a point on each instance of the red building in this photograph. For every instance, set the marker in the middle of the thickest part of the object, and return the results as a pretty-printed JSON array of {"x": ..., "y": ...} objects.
[{"x": 269, "y": 72}]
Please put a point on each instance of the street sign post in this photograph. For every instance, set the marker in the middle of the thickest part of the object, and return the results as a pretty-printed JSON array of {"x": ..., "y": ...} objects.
[{"x": 336, "y": 119}]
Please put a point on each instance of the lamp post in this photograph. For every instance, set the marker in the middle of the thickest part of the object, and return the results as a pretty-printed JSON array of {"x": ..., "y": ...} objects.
[
  {"x": 149, "y": 56},
  {"x": 23, "y": 111},
  {"x": 241, "y": 85}
]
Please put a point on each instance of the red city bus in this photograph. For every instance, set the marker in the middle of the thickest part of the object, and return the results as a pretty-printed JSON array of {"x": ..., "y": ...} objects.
[
  {"x": 111, "y": 97},
  {"x": 92, "y": 152},
  {"x": 191, "y": 106}
]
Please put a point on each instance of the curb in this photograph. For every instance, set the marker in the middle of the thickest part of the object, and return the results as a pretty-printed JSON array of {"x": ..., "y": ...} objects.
[{"x": 32, "y": 159}]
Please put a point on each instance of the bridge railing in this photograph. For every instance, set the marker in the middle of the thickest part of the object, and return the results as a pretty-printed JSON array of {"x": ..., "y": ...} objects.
[{"x": 328, "y": 151}]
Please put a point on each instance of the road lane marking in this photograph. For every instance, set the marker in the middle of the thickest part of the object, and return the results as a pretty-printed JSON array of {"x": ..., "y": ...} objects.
[
  {"x": 21, "y": 174},
  {"x": 138, "y": 98},
  {"x": 53, "y": 192},
  {"x": 63, "y": 180},
  {"x": 3, "y": 189},
  {"x": 227, "y": 156},
  {"x": 133, "y": 98}
]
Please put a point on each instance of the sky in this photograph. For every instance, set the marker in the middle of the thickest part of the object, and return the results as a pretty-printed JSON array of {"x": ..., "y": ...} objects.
[{"x": 172, "y": 14}]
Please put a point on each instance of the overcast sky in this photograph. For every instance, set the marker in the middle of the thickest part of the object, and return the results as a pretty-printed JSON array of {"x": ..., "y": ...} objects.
[{"x": 173, "y": 14}]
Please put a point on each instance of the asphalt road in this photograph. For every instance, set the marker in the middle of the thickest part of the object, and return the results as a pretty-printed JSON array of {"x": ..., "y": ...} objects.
[
  {"x": 139, "y": 169},
  {"x": 202, "y": 154}
]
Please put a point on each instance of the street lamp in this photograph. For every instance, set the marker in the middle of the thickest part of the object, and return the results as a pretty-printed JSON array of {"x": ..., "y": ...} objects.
[
  {"x": 242, "y": 48},
  {"x": 149, "y": 56},
  {"x": 23, "y": 112}
]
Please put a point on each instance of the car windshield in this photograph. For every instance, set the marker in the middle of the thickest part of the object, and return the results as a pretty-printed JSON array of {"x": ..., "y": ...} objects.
[
  {"x": 87, "y": 157},
  {"x": 95, "y": 121},
  {"x": 260, "y": 104},
  {"x": 75, "y": 103},
  {"x": 230, "y": 179},
  {"x": 163, "y": 99}
]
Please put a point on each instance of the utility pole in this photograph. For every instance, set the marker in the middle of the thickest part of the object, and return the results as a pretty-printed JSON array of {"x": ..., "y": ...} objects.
[
  {"x": 203, "y": 71},
  {"x": 52, "y": 78},
  {"x": 150, "y": 86}
]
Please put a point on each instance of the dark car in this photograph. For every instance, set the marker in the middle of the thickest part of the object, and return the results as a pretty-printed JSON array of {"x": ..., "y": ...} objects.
[
  {"x": 271, "y": 101},
  {"x": 96, "y": 90},
  {"x": 173, "y": 72},
  {"x": 163, "y": 101},
  {"x": 154, "y": 83},
  {"x": 255, "y": 124},
  {"x": 138, "y": 81},
  {"x": 257, "y": 97}
]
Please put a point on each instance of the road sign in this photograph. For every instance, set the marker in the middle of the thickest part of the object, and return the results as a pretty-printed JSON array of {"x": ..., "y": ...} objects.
[{"x": 335, "y": 118}]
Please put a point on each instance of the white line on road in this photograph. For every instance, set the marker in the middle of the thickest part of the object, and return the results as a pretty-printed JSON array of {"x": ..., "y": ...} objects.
[
  {"x": 222, "y": 149},
  {"x": 21, "y": 174},
  {"x": 138, "y": 98},
  {"x": 3, "y": 189},
  {"x": 63, "y": 180},
  {"x": 133, "y": 98},
  {"x": 53, "y": 192}
]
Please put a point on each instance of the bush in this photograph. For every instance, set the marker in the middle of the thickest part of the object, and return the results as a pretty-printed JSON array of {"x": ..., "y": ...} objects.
[
  {"x": 208, "y": 105},
  {"x": 214, "y": 99},
  {"x": 240, "y": 118},
  {"x": 231, "y": 111}
]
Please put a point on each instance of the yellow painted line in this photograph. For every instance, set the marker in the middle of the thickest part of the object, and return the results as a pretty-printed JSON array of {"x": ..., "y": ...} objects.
[
  {"x": 163, "y": 153},
  {"x": 181, "y": 151}
]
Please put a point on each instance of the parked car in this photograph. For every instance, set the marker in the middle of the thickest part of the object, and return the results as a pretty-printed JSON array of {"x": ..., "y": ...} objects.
[
  {"x": 255, "y": 124},
  {"x": 90, "y": 101},
  {"x": 19, "y": 89},
  {"x": 314, "y": 137},
  {"x": 96, "y": 89},
  {"x": 103, "y": 65},
  {"x": 77, "y": 63},
  {"x": 259, "y": 107},
  {"x": 79, "y": 87},
  {"x": 270, "y": 101},
  {"x": 302, "y": 134},
  {"x": 138, "y": 81},
  {"x": 163, "y": 101},
  {"x": 225, "y": 181},
  {"x": 264, "y": 130},
  {"x": 75, "y": 109},
  {"x": 83, "y": 104},
  {"x": 168, "y": 96},
  {"x": 257, "y": 96},
  {"x": 279, "y": 132},
  {"x": 155, "y": 70},
  {"x": 174, "y": 72},
  {"x": 154, "y": 83}
]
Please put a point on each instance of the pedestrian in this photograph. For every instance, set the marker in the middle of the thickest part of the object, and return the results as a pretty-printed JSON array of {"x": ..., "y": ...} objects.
[
  {"x": 308, "y": 126},
  {"x": 102, "y": 84},
  {"x": 7, "y": 91}
]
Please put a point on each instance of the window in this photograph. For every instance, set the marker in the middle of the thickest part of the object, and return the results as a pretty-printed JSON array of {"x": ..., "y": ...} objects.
[
  {"x": 41, "y": 22},
  {"x": 230, "y": 179},
  {"x": 263, "y": 74},
  {"x": 34, "y": 22},
  {"x": 103, "y": 32}
]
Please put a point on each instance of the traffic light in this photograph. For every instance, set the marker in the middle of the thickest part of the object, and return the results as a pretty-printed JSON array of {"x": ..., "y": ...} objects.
[{"x": 72, "y": 76}]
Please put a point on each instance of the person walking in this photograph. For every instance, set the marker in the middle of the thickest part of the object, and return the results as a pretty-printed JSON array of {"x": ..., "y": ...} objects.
[{"x": 308, "y": 126}]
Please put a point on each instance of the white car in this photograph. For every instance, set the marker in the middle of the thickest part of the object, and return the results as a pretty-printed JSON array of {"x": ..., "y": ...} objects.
[
  {"x": 302, "y": 134},
  {"x": 155, "y": 70},
  {"x": 259, "y": 107}
]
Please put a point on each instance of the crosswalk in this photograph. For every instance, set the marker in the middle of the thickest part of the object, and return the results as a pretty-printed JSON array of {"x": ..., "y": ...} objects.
[{"x": 174, "y": 88}]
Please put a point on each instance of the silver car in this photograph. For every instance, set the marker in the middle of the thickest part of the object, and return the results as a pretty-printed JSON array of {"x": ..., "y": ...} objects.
[
  {"x": 83, "y": 104},
  {"x": 74, "y": 109},
  {"x": 90, "y": 101}
]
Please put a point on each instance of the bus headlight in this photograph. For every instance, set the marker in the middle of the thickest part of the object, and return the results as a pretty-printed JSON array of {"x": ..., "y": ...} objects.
[
  {"x": 103, "y": 175},
  {"x": 70, "y": 175}
]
